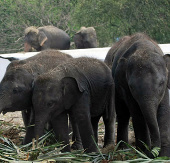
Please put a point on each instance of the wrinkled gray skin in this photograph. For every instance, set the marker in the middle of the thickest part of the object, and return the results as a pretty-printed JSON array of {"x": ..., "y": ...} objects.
[
  {"x": 85, "y": 38},
  {"x": 141, "y": 79},
  {"x": 111, "y": 53},
  {"x": 16, "y": 86},
  {"x": 78, "y": 89},
  {"x": 47, "y": 37}
]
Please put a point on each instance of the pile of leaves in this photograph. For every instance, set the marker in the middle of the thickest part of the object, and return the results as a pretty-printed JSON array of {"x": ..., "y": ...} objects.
[{"x": 46, "y": 152}]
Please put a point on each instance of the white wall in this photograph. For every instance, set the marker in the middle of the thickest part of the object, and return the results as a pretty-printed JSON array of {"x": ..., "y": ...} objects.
[{"x": 98, "y": 53}]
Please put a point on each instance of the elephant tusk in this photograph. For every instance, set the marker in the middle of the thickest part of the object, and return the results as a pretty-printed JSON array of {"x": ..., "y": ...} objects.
[{"x": 44, "y": 40}]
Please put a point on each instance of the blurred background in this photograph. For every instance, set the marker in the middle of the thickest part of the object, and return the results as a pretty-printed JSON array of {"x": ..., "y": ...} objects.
[{"x": 111, "y": 19}]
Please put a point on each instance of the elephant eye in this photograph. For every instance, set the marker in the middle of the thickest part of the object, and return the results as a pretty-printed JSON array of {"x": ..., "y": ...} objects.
[
  {"x": 17, "y": 90},
  {"x": 161, "y": 83},
  {"x": 50, "y": 104}
]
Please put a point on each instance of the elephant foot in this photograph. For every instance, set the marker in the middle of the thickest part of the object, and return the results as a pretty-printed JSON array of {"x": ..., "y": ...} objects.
[
  {"x": 122, "y": 145},
  {"x": 165, "y": 151},
  {"x": 77, "y": 146},
  {"x": 148, "y": 153},
  {"x": 66, "y": 149},
  {"x": 108, "y": 143}
]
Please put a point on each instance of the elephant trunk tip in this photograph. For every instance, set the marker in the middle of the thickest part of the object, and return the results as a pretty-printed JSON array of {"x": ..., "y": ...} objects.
[{"x": 27, "y": 47}]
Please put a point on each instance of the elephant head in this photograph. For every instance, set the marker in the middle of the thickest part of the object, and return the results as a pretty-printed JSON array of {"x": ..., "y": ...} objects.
[
  {"x": 15, "y": 90},
  {"x": 51, "y": 97},
  {"x": 34, "y": 39},
  {"x": 85, "y": 38}
]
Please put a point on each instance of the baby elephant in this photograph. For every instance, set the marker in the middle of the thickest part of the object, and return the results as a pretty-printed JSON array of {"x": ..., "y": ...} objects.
[
  {"x": 17, "y": 85},
  {"x": 83, "y": 88}
]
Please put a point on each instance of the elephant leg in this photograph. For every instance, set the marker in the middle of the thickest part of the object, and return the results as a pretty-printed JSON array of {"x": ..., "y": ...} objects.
[
  {"x": 164, "y": 125},
  {"x": 109, "y": 119},
  {"x": 81, "y": 112},
  {"x": 77, "y": 145},
  {"x": 30, "y": 127},
  {"x": 123, "y": 117},
  {"x": 95, "y": 121},
  {"x": 60, "y": 128},
  {"x": 109, "y": 136}
]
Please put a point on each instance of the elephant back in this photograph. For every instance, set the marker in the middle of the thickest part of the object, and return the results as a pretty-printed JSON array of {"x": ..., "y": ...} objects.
[
  {"x": 57, "y": 38},
  {"x": 111, "y": 53}
]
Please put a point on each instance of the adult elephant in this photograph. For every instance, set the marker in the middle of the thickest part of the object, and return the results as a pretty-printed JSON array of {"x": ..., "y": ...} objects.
[
  {"x": 85, "y": 38},
  {"x": 17, "y": 85},
  {"x": 86, "y": 94},
  {"x": 47, "y": 37},
  {"x": 141, "y": 79}
]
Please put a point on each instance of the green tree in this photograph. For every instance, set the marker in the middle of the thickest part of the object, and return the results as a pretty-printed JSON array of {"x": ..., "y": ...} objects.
[
  {"x": 113, "y": 19},
  {"x": 16, "y": 15}
]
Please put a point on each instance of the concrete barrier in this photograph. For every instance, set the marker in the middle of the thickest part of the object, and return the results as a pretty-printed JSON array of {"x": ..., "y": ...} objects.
[{"x": 98, "y": 53}]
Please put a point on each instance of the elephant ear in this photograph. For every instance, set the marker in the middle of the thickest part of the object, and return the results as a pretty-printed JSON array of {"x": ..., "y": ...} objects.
[
  {"x": 72, "y": 90},
  {"x": 42, "y": 38},
  {"x": 78, "y": 40},
  {"x": 167, "y": 60}
]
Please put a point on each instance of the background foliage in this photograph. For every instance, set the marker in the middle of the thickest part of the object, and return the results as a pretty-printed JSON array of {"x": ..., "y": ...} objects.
[{"x": 111, "y": 19}]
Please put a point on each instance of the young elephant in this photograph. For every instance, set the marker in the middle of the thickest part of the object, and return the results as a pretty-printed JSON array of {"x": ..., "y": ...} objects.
[
  {"x": 16, "y": 86},
  {"x": 141, "y": 79},
  {"x": 82, "y": 87},
  {"x": 85, "y": 38}
]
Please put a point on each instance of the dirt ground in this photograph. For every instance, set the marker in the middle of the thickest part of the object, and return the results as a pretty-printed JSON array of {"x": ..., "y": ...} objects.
[
  {"x": 12, "y": 117},
  {"x": 12, "y": 127},
  {"x": 15, "y": 131}
]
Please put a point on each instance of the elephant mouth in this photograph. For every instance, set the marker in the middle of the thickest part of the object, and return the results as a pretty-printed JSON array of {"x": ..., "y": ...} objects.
[{"x": 6, "y": 110}]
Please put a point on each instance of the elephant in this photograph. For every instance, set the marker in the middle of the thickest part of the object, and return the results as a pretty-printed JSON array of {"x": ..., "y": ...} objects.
[
  {"x": 47, "y": 37},
  {"x": 76, "y": 88},
  {"x": 140, "y": 72},
  {"x": 85, "y": 38},
  {"x": 17, "y": 85},
  {"x": 110, "y": 55}
]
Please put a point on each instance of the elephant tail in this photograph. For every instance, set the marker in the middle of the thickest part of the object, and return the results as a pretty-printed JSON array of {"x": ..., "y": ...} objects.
[{"x": 110, "y": 111}]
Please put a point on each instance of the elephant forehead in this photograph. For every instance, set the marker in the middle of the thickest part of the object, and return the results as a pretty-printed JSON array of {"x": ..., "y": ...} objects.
[{"x": 31, "y": 29}]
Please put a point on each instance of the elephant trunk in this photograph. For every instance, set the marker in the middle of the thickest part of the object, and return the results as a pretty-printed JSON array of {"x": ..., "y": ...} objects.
[
  {"x": 5, "y": 103},
  {"x": 149, "y": 111},
  {"x": 40, "y": 122},
  {"x": 27, "y": 47}
]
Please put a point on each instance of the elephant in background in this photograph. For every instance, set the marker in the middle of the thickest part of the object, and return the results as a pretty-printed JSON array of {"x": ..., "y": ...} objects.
[
  {"x": 85, "y": 38},
  {"x": 76, "y": 88},
  {"x": 17, "y": 85},
  {"x": 140, "y": 72},
  {"x": 47, "y": 37}
]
